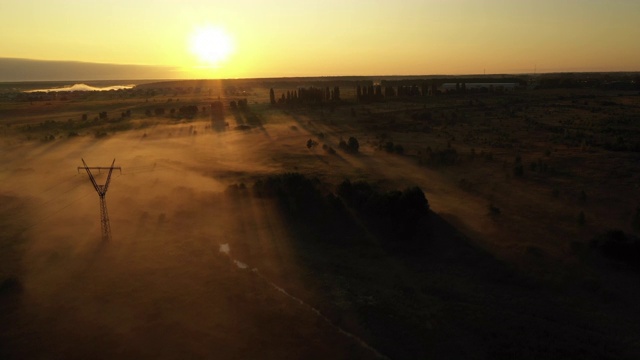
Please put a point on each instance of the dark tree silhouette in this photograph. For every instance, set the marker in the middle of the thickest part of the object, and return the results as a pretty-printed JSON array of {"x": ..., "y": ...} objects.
[
  {"x": 353, "y": 145},
  {"x": 394, "y": 214},
  {"x": 188, "y": 111}
]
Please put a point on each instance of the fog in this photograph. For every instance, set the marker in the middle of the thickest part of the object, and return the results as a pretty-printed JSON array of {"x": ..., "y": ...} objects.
[{"x": 189, "y": 271}]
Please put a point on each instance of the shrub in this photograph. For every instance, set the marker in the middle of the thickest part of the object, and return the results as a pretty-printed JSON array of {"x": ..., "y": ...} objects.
[
  {"x": 311, "y": 143},
  {"x": 352, "y": 146},
  {"x": 328, "y": 149},
  {"x": 388, "y": 147}
]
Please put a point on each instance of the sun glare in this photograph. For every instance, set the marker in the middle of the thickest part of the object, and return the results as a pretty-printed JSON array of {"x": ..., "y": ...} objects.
[{"x": 211, "y": 45}]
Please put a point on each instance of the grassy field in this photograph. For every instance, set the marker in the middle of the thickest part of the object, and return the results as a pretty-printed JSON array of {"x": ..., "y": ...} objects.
[{"x": 518, "y": 184}]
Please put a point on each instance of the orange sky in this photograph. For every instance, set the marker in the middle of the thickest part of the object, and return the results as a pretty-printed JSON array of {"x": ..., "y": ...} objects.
[{"x": 301, "y": 38}]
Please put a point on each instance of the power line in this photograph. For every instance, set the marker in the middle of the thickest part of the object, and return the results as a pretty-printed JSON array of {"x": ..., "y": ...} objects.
[{"x": 102, "y": 192}]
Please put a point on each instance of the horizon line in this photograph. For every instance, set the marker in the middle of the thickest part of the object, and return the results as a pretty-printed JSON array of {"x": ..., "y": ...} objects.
[
  {"x": 46, "y": 75},
  {"x": 321, "y": 76}
]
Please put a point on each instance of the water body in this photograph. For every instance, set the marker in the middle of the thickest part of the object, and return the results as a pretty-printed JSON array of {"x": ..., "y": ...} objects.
[{"x": 82, "y": 87}]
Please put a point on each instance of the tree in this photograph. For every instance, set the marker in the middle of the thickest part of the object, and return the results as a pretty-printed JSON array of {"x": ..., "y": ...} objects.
[
  {"x": 389, "y": 147},
  {"x": 353, "y": 145},
  {"x": 188, "y": 111},
  {"x": 272, "y": 96}
]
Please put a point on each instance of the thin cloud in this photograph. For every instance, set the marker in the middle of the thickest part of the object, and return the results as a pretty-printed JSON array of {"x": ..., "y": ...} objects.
[{"x": 14, "y": 70}]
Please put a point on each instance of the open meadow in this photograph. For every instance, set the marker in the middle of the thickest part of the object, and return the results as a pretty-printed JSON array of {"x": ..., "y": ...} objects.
[{"x": 286, "y": 228}]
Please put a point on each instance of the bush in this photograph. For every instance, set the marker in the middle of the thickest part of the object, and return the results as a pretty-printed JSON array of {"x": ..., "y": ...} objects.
[
  {"x": 328, "y": 149},
  {"x": 389, "y": 147},
  {"x": 188, "y": 111},
  {"x": 352, "y": 146}
]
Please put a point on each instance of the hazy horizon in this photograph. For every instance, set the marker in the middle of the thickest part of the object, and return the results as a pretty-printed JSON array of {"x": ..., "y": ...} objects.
[
  {"x": 33, "y": 70},
  {"x": 24, "y": 70}
]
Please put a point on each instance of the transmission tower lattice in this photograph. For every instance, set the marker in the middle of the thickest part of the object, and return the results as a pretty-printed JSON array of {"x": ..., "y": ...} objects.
[{"x": 102, "y": 192}]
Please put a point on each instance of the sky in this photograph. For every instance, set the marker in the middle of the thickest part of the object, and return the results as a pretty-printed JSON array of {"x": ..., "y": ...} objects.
[{"x": 283, "y": 38}]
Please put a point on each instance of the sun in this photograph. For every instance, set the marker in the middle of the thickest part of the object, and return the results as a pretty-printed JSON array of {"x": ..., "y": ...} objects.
[{"x": 211, "y": 45}]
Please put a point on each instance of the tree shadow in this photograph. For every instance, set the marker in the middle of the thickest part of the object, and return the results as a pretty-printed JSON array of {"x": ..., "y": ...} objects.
[{"x": 426, "y": 293}]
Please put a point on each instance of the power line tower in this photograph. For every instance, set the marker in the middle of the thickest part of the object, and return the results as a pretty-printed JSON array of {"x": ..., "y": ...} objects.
[{"x": 102, "y": 191}]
